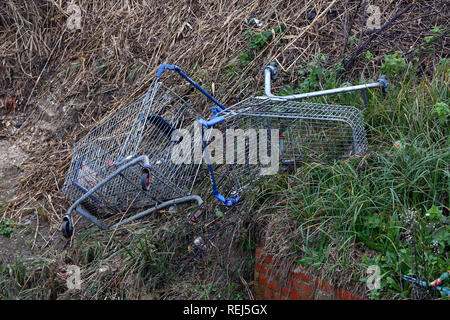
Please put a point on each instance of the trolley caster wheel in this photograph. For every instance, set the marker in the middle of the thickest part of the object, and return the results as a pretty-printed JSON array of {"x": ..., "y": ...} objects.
[
  {"x": 67, "y": 228},
  {"x": 145, "y": 179}
]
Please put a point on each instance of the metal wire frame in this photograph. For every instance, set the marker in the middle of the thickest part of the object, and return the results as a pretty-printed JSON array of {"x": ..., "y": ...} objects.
[
  {"x": 149, "y": 126},
  {"x": 307, "y": 132}
]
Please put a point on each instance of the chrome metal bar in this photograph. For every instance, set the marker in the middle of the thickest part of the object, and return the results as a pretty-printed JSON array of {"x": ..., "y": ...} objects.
[
  {"x": 159, "y": 207},
  {"x": 382, "y": 82},
  {"x": 91, "y": 218}
]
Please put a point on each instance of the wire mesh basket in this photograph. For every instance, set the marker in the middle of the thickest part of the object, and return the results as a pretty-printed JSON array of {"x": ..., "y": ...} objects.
[
  {"x": 297, "y": 131},
  {"x": 125, "y": 163},
  {"x": 293, "y": 132}
]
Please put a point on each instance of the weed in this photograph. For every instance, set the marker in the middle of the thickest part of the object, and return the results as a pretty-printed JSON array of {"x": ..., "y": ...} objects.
[
  {"x": 315, "y": 76},
  {"x": 353, "y": 40},
  {"x": 246, "y": 58},
  {"x": 256, "y": 41},
  {"x": 6, "y": 228},
  {"x": 393, "y": 65},
  {"x": 286, "y": 91},
  {"x": 442, "y": 110},
  {"x": 368, "y": 55}
]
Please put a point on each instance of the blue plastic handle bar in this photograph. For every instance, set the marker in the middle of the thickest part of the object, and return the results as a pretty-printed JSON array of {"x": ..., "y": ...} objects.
[
  {"x": 165, "y": 66},
  {"x": 226, "y": 201},
  {"x": 214, "y": 120},
  {"x": 217, "y": 195}
]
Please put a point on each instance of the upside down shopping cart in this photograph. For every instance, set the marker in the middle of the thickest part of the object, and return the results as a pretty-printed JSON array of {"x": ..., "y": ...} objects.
[
  {"x": 126, "y": 163},
  {"x": 299, "y": 130}
]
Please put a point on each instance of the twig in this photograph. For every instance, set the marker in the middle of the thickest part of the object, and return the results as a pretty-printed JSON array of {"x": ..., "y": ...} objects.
[
  {"x": 36, "y": 231},
  {"x": 350, "y": 60},
  {"x": 348, "y": 28},
  {"x": 39, "y": 78}
]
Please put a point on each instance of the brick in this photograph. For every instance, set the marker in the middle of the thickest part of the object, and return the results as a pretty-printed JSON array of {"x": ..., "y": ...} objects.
[
  {"x": 274, "y": 273},
  {"x": 336, "y": 293},
  {"x": 260, "y": 267},
  {"x": 300, "y": 284},
  {"x": 300, "y": 274},
  {"x": 324, "y": 286},
  {"x": 345, "y": 295},
  {"x": 277, "y": 296},
  {"x": 273, "y": 285},
  {"x": 293, "y": 283},
  {"x": 269, "y": 294},
  {"x": 259, "y": 289},
  {"x": 294, "y": 295},
  {"x": 263, "y": 280},
  {"x": 306, "y": 290},
  {"x": 268, "y": 259},
  {"x": 276, "y": 263},
  {"x": 356, "y": 297}
]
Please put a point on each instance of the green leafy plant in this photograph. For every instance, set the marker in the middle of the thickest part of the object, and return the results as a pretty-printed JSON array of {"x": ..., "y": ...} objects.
[
  {"x": 246, "y": 58},
  {"x": 219, "y": 213},
  {"x": 257, "y": 40},
  {"x": 286, "y": 91},
  {"x": 6, "y": 228},
  {"x": 437, "y": 30},
  {"x": 353, "y": 40},
  {"x": 429, "y": 39},
  {"x": 394, "y": 65},
  {"x": 315, "y": 76}
]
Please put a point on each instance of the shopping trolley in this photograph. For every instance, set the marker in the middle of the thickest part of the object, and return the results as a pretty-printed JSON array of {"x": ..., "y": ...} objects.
[
  {"x": 126, "y": 163},
  {"x": 287, "y": 131}
]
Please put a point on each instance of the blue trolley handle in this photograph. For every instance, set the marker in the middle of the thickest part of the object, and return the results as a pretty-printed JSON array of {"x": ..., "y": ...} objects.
[
  {"x": 165, "y": 66},
  {"x": 226, "y": 201}
]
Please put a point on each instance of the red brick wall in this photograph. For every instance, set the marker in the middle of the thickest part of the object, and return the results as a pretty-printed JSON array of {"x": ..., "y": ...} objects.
[{"x": 270, "y": 283}]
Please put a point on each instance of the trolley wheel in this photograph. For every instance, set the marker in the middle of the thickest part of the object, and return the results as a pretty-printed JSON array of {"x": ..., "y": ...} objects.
[
  {"x": 67, "y": 228},
  {"x": 145, "y": 180}
]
